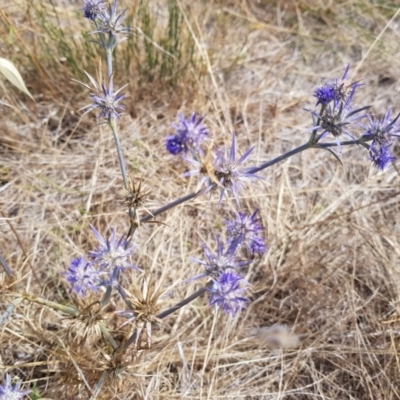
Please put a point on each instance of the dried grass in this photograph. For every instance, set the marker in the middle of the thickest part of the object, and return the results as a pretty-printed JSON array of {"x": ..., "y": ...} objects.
[{"x": 331, "y": 274}]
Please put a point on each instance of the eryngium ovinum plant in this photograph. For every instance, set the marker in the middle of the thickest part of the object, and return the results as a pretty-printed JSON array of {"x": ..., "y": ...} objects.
[{"x": 221, "y": 171}]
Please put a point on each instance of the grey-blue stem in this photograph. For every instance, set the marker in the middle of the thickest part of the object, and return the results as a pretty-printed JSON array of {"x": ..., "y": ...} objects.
[
  {"x": 290, "y": 153},
  {"x": 173, "y": 204},
  {"x": 110, "y": 68},
  {"x": 112, "y": 122},
  {"x": 114, "y": 130},
  {"x": 182, "y": 303}
]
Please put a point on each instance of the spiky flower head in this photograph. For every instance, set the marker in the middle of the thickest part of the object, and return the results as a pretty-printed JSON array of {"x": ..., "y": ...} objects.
[
  {"x": 82, "y": 276},
  {"x": 104, "y": 99},
  {"x": 111, "y": 23},
  {"x": 8, "y": 391},
  {"x": 217, "y": 263},
  {"x": 93, "y": 9},
  {"x": 144, "y": 307},
  {"x": 227, "y": 291},
  {"x": 144, "y": 302},
  {"x": 112, "y": 254},
  {"x": 381, "y": 132},
  {"x": 246, "y": 230},
  {"x": 381, "y": 156},
  {"x": 337, "y": 118},
  {"x": 224, "y": 170},
  {"x": 190, "y": 133},
  {"x": 136, "y": 194},
  {"x": 336, "y": 90},
  {"x": 230, "y": 173}
]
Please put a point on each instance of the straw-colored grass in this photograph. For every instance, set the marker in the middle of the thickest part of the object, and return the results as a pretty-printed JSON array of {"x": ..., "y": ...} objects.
[{"x": 331, "y": 274}]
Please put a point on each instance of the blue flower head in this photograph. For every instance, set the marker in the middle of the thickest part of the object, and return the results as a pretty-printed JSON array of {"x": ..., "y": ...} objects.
[
  {"x": 325, "y": 94},
  {"x": 190, "y": 133},
  {"x": 107, "y": 102},
  {"x": 337, "y": 118},
  {"x": 381, "y": 156},
  {"x": 108, "y": 260},
  {"x": 82, "y": 276},
  {"x": 112, "y": 254},
  {"x": 93, "y": 9},
  {"x": 8, "y": 391},
  {"x": 104, "y": 99},
  {"x": 224, "y": 170},
  {"x": 226, "y": 292},
  {"x": 246, "y": 230},
  {"x": 381, "y": 132},
  {"x": 111, "y": 22},
  {"x": 217, "y": 263},
  {"x": 336, "y": 90},
  {"x": 230, "y": 173}
]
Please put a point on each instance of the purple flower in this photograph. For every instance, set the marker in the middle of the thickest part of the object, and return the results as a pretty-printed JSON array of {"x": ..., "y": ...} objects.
[
  {"x": 8, "y": 391},
  {"x": 226, "y": 292},
  {"x": 112, "y": 254},
  {"x": 336, "y": 90},
  {"x": 223, "y": 170},
  {"x": 381, "y": 156},
  {"x": 381, "y": 132},
  {"x": 190, "y": 133},
  {"x": 105, "y": 99},
  {"x": 336, "y": 118},
  {"x": 111, "y": 22},
  {"x": 246, "y": 230},
  {"x": 82, "y": 276},
  {"x": 229, "y": 172},
  {"x": 325, "y": 94},
  {"x": 218, "y": 262},
  {"x": 93, "y": 9}
]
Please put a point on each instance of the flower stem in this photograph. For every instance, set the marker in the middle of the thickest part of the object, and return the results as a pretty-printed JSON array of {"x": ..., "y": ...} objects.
[
  {"x": 114, "y": 129},
  {"x": 182, "y": 303},
  {"x": 360, "y": 141},
  {"x": 290, "y": 153},
  {"x": 111, "y": 122},
  {"x": 172, "y": 205},
  {"x": 109, "y": 53}
]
